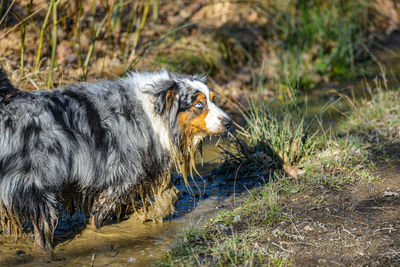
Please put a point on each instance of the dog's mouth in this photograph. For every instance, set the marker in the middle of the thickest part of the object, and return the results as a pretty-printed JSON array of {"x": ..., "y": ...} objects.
[
  {"x": 225, "y": 126},
  {"x": 221, "y": 132}
]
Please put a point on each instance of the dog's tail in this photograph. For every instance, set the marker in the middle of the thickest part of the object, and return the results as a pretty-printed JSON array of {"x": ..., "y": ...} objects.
[{"x": 6, "y": 88}]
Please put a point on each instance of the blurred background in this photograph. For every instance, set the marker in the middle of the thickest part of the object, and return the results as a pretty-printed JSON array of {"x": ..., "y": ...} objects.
[{"x": 241, "y": 45}]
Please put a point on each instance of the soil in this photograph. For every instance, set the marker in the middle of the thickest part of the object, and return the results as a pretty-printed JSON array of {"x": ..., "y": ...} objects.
[{"x": 358, "y": 225}]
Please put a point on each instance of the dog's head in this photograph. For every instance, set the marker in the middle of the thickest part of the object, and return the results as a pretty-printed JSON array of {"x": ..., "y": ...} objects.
[{"x": 189, "y": 107}]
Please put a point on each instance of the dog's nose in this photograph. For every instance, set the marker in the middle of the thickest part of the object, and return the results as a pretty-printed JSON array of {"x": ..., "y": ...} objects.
[{"x": 227, "y": 123}]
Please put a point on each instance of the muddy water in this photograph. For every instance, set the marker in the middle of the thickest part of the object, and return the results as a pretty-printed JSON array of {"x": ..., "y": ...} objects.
[{"x": 130, "y": 242}]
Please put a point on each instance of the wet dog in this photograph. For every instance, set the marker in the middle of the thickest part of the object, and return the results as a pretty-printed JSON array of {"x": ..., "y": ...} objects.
[{"x": 95, "y": 146}]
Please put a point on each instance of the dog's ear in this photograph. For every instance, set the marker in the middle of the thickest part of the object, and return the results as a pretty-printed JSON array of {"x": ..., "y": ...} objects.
[{"x": 167, "y": 94}]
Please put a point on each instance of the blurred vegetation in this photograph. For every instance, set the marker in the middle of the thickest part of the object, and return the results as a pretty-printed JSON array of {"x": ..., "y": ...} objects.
[{"x": 306, "y": 41}]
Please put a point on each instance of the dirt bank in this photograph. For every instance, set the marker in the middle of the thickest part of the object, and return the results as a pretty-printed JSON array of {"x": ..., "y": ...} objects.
[{"x": 356, "y": 225}]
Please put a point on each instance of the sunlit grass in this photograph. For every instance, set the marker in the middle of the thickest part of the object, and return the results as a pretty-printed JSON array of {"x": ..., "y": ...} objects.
[
  {"x": 306, "y": 42},
  {"x": 276, "y": 135}
]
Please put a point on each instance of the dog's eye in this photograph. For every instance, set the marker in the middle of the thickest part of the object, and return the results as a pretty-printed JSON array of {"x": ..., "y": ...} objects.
[{"x": 199, "y": 105}]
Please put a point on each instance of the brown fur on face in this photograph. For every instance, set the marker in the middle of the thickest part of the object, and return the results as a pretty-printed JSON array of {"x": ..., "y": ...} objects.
[
  {"x": 192, "y": 124},
  {"x": 192, "y": 121}
]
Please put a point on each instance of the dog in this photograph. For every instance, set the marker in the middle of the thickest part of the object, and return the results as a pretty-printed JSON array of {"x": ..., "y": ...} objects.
[{"x": 96, "y": 146}]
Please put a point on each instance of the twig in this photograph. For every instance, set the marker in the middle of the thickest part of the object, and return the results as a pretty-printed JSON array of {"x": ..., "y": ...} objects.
[
  {"x": 92, "y": 260},
  {"x": 8, "y": 10},
  {"x": 390, "y": 229},
  {"x": 295, "y": 227},
  {"x": 279, "y": 246},
  {"x": 344, "y": 229},
  {"x": 358, "y": 222},
  {"x": 33, "y": 83}
]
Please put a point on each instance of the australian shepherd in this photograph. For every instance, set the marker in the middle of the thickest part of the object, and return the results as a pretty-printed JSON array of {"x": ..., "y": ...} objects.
[{"x": 96, "y": 147}]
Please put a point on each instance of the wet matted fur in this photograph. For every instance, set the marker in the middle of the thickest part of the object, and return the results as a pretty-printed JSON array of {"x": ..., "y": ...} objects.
[{"x": 98, "y": 147}]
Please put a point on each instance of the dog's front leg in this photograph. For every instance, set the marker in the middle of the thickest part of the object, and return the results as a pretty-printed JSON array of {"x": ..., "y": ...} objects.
[
  {"x": 43, "y": 233},
  {"x": 103, "y": 209},
  {"x": 44, "y": 217}
]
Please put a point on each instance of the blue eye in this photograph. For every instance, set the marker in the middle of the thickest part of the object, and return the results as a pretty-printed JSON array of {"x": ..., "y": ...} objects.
[{"x": 199, "y": 105}]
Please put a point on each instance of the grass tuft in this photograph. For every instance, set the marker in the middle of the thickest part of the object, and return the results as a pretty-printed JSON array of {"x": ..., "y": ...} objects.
[{"x": 276, "y": 136}]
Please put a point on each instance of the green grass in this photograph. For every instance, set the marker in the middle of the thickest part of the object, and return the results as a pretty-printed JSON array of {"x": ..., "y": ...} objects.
[
  {"x": 338, "y": 158},
  {"x": 379, "y": 116},
  {"x": 276, "y": 136},
  {"x": 220, "y": 244},
  {"x": 319, "y": 38},
  {"x": 232, "y": 237}
]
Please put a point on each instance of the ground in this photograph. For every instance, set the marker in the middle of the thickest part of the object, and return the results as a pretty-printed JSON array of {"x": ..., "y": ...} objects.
[{"x": 356, "y": 225}]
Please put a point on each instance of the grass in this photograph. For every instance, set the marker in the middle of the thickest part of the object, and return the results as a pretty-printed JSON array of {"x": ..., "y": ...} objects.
[
  {"x": 307, "y": 42},
  {"x": 337, "y": 158},
  {"x": 321, "y": 40},
  {"x": 382, "y": 120},
  {"x": 232, "y": 237},
  {"x": 71, "y": 23},
  {"x": 276, "y": 136}
]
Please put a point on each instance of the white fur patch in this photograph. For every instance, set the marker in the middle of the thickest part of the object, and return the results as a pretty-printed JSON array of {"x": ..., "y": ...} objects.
[
  {"x": 215, "y": 115},
  {"x": 143, "y": 82}
]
